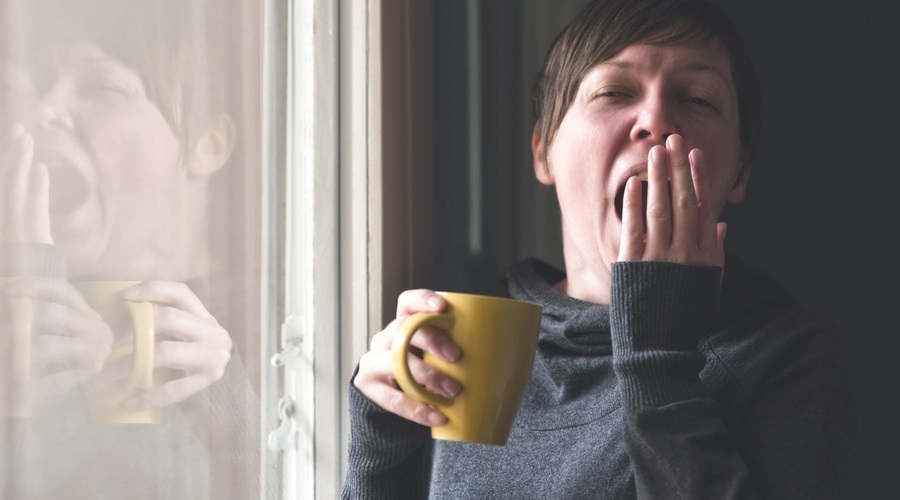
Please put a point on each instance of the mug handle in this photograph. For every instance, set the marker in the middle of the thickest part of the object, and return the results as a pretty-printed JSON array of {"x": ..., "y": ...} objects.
[
  {"x": 400, "y": 353},
  {"x": 142, "y": 317}
]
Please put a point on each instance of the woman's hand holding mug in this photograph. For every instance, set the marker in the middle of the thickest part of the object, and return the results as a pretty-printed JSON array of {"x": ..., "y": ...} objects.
[{"x": 375, "y": 378}]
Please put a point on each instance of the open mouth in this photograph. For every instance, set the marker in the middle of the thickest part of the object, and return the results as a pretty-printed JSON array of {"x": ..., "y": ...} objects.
[
  {"x": 620, "y": 196},
  {"x": 68, "y": 190}
]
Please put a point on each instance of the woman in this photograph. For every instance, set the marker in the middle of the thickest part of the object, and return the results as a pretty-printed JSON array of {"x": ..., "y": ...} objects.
[{"x": 664, "y": 368}]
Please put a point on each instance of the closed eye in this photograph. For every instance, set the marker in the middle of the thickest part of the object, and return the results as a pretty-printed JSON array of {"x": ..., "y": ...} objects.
[
  {"x": 699, "y": 101},
  {"x": 105, "y": 89},
  {"x": 612, "y": 96}
]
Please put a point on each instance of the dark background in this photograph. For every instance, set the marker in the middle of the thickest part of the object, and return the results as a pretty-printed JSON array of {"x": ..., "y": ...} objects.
[{"x": 821, "y": 210}]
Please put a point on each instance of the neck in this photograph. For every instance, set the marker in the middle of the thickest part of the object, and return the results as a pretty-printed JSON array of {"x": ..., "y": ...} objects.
[{"x": 586, "y": 283}]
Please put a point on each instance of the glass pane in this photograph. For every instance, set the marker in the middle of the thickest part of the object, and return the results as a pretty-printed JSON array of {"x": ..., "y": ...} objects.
[{"x": 130, "y": 266}]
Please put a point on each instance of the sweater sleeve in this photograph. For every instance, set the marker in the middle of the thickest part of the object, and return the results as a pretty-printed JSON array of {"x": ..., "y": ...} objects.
[
  {"x": 31, "y": 260},
  {"x": 794, "y": 434},
  {"x": 388, "y": 456},
  {"x": 675, "y": 434}
]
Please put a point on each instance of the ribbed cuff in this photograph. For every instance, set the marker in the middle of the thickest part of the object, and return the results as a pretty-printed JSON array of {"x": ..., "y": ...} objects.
[
  {"x": 31, "y": 260},
  {"x": 659, "y": 312}
]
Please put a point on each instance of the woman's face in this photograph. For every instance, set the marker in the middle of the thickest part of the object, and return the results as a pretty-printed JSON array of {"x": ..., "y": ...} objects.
[
  {"x": 623, "y": 107},
  {"x": 116, "y": 182}
]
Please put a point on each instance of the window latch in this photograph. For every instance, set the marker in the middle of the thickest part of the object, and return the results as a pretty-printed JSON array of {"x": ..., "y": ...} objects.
[
  {"x": 291, "y": 341},
  {"x": 285, "y": 436}
]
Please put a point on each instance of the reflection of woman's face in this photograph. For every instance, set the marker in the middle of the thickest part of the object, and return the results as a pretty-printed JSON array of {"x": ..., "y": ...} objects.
[{"x": 114, "y": 163}]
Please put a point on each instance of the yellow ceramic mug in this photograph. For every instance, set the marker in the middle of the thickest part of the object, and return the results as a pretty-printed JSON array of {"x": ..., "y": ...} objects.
[
  {"x": 15, "y": 396},
  {"x": 498, "y": 338},
  {"x": 104, "y": 393}
]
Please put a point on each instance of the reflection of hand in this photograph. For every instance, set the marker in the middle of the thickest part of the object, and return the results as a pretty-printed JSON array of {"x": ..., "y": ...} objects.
[
  {"x": 189, "y": 339},
  {"x": 24, "y": 191},
  {"x": 71, "y": 342},
  {"x": 375, "y": 378},
  {"x": 681, "y": 227}
]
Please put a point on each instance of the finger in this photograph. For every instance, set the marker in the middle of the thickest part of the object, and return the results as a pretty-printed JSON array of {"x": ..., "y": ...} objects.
[
  {"x": 707, "y": 218},
  {"x": 400, "y": 403},
  {"x": 426, "y": 339},
  {"x": 377, "y": 368},
  {"x": 421, "y": 300},
  {"x": 37, "y": 209},
  {"x": 168, "y": 293},
  {"x": 86, "y": 357},
  {"x": 659, "y": 211},
  {"x": 62, "y": 320},
  {"x": 435, "y": 341},
  {"x": 385, "y": 338},
  {"x": 432, "y": 378},
  {"x": 183, "y": 325},
  {"x": 684, "y": 198},
  {"x": 192, "y": 357},
  {"x": 54, "y": 383},
  {"x": 169, "y": 393},
  {"x": 631, "y": 246},
  {"x": 721, "y": 230}
]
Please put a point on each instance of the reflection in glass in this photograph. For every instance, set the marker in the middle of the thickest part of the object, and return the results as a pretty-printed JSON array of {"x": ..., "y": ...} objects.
[{"x": 129, "y": 269}]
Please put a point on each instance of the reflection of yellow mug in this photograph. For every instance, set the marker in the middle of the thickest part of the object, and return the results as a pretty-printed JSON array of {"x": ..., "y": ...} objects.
[
  {"x": 498, "y": 338},
  {"x": 105, "y": 392},
  {"x": 15, "y": 355}
]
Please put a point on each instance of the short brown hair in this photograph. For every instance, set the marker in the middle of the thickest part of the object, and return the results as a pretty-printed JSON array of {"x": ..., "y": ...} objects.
[{"x": 605, "y": 27}]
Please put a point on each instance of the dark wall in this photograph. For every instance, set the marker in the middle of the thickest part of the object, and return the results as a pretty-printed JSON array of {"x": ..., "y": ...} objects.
[{"x": 821, "y": 211}]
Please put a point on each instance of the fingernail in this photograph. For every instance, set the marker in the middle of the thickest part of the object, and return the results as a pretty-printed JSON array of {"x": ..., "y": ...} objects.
[
  {"x": 451, "y": 352},
  {"x": 434, "y": 303},
  {"x": 451, "y": 388},
  {"x": 436, "y": 418}
]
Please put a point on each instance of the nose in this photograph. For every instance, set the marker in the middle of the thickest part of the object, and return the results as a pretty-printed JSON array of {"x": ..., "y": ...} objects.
[
  {"x": 654, "y": 121},
  {"x": 54, "y": 108}
]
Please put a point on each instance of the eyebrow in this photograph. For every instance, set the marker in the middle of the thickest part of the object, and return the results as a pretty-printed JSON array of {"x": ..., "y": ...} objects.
[
  {"x": 98, "y": 60},
  {"x": 694, "y": 67}
]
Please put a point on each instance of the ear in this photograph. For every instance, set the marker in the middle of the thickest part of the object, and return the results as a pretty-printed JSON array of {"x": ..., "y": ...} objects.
[
  {"x": 740, "y": 185},
  {"x": 541, "y": 167},
  {"x": 213, "y": 148}
]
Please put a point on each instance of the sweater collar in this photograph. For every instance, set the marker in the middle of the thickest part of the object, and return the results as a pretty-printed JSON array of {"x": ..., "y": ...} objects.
[{"x": 568, "y": 324}]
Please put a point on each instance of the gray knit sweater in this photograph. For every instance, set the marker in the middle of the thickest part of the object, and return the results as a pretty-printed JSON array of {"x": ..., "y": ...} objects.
[{"x": 674, "y": 390}]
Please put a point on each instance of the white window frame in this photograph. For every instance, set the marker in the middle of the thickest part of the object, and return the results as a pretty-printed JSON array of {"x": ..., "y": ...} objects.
[
  {"x": 349, "y": 159},
  {"x": 317, "y": 202},
  {"x": 310, "y": 318}
]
